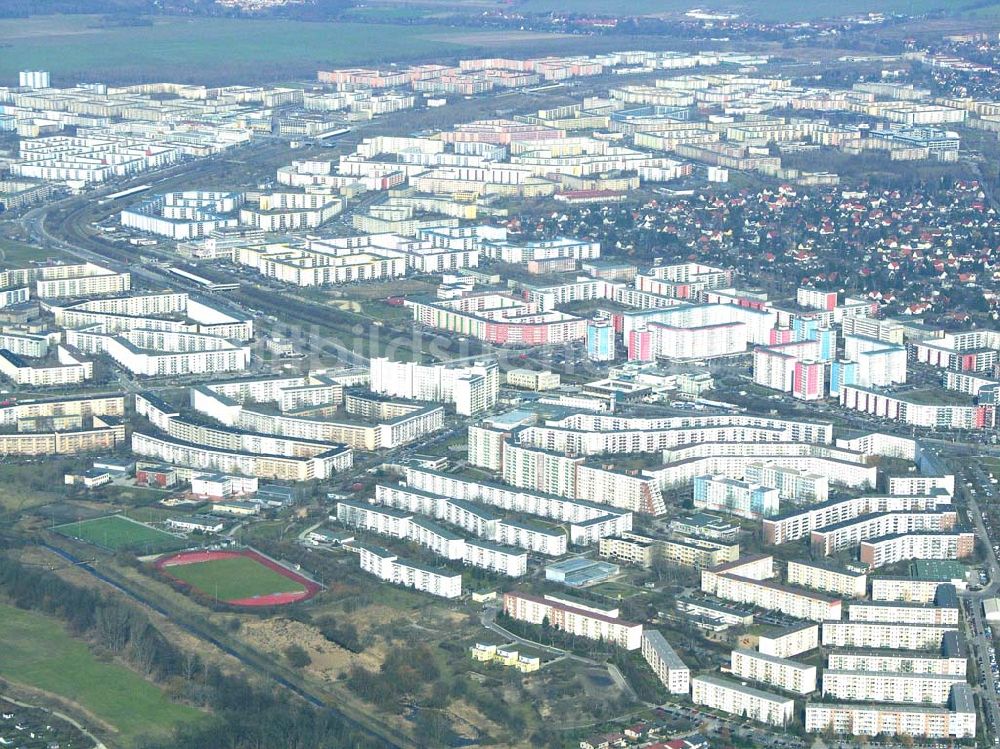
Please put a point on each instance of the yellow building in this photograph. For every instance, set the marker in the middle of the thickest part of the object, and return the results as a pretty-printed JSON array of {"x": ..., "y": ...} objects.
[{"x": 505, "y": 655}]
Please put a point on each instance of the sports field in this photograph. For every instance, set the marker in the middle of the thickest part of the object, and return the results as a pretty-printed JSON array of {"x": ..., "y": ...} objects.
[
  {"x": 115, "y": 532},
  {"x": 241, "y": 578}
]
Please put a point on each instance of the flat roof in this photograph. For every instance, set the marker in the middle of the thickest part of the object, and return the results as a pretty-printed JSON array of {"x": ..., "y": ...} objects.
[
  {"x": 777, "y": 660},
  {"x": 572, "y": 609},
  {"x": 663, "y": 648},
  {"x": 380, "y": 509},
  {"x": 941, "y": 570},
  {"x": 738, "y": 687},
  {"x": 819, "y": 564}
]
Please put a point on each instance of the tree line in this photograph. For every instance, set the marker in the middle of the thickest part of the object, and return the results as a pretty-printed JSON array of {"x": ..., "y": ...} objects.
[{"x": 243, "y": 714}]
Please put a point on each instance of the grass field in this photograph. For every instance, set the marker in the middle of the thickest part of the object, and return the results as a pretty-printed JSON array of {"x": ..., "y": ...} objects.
[
  {"x": 116, "y": 532},
  {"x": 233, "y": 579},
  {"x": 16, "y": 254},
  {"x": 214, "y": 50},
  {"x": 39, "y": 653}
]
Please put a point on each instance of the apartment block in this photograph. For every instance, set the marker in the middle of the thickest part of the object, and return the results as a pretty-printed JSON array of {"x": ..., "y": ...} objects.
[
  {"x": 850, "y": 533},
  {"x": 783, "y": 673},
  {"x": 785, "y": 642},
  {"x": 881, "y": 552},
  {"x": 801, "y": 522},
  {"x": 881, "y": 635},
  {"x": 387, "y": 566},
  {"x": 665, "y": 662},
  {"x": 958, "y": 721},
  {"x": 830, "y": 578},
  {"x": 896, "y": 661},
  {"x": 472, "y": 387},
  {"x": 887, "y": 686},
  {"x": 732, "y": 697},
  {"x": 904, "y": 613},
  {"x": 578, "y": 621},
  {"x": 908, "y": 589}
]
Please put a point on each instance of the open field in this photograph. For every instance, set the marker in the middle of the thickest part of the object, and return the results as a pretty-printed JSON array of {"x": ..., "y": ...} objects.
[
  {"x": 216, "y": 50},
  {"x": 39, "y": 653},
  {"x": 772, "y": 10},
  {"x": 116, "y": 532},
  {"x": 18, "y": 254},
  {"x": 241, "y": 578}
]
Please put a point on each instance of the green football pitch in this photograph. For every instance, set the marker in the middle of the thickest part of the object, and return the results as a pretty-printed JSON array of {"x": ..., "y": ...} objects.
[
  {"x": 234, "y": 578},
  {"x": 115, "y": 532}
]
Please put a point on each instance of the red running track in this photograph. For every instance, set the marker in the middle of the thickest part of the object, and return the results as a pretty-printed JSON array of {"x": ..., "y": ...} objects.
[{"x": 269, "y": 599}]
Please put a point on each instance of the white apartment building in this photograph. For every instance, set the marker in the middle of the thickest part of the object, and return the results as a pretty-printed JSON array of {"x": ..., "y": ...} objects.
[
  {"x": 155, "y": 353},
  {"x": 850, "y": 533},
  {"x": 896, "y": 661},
  {"x": 770, "y": 595},
  {"x": 922, "y": 484},
  {"x": 887, "y": 686},
  {"x": 598, "y": 434},
  {"x": 183, "y": 215},
  {"x": 800, "y": 523},
  {"x": 903, "y": 613},
  {"x": 473, "y": 387},
  {"x": 783, "y": 673},
  {"x": 732, "y": 697},
  {"x": 792, "y": 484},
  {"x": 289, "y": 211},
  {"x": 587, "y": 623},
  {"x": 906, "y": 589},
  {"x": 386, "y": 521},
  {"x": 665, "y": 662},
  {"x": 319, "y": 264},
  {"x": 918, "y": 721},
  {"x": 785, "y": 642},
  {"x": 580, "y": 514},
  {"x": 24, "y": 344},
  {"x": 536, "y": 538},
  {"x": 740, "y": 498},
  {"x": 387, "y": 566},
  {"x": 932, "y": 415},
  {"x": 504, "y": 560},
  {"x": 71, "y": 281},
  {"x": 881, "y": 636},
  {"x": 69, "y": 369},
  {"x": 389, "y": 521},
  {"x": 681, "y": 465},
  {"x": 170, "y": 450},
  {"x": 879, "y": 552},
  {"x": 830, "y": 578}
]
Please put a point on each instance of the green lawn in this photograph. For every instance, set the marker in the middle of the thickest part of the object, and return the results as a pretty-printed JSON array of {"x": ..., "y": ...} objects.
[
  {"x": 117, "y": 532},
  {"x": 234, "y": 578},
  {"x": 38, "y": 652},
  {"x": 16, "y": 254}
]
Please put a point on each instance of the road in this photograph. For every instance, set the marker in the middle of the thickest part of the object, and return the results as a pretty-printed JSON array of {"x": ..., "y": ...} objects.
[{"x": 980, "y": 646}]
